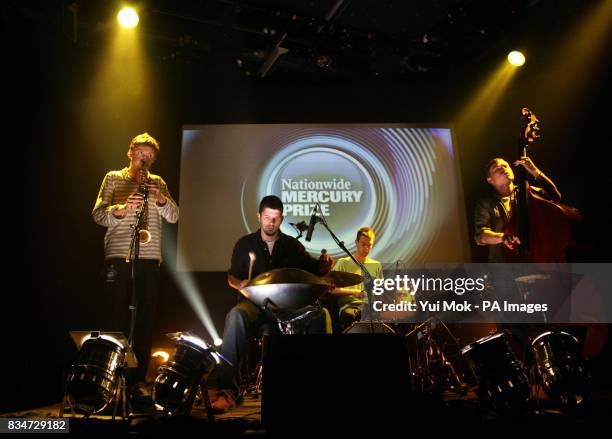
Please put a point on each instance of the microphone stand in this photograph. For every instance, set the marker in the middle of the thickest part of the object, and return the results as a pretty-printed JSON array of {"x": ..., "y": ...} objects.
[
  {"x": 368, "y": 280},
  {"x": 134, "y": 253},
  {"x": 300, "y": 228}
]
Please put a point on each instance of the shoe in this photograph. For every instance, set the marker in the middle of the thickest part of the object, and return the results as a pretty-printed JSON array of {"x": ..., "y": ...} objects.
[{"x": 223, "y": 402}]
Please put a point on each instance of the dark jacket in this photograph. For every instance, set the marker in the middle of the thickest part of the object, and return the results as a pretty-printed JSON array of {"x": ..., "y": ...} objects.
[{"x": 490, "y": 213}]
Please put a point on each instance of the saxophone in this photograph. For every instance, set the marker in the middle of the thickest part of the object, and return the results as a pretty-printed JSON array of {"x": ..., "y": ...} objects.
[{"x": 143, "y": 234}]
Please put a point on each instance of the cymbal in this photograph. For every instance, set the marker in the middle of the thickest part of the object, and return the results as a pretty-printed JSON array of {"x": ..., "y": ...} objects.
[
  {"x": 286, "y": 289},
  {"x": 531, "y": 278},
  {"x": 341, "y": 279}
]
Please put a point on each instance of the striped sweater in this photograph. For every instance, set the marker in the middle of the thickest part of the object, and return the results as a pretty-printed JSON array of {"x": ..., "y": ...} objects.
[{"x": 116, "y": 188}]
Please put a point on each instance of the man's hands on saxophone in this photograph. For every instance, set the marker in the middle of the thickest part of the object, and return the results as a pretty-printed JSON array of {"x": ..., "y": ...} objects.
[
  {"x": 133, "y": 203},
  {"x": 155, "y": 192},
  {"x": 135, "y": 200}
]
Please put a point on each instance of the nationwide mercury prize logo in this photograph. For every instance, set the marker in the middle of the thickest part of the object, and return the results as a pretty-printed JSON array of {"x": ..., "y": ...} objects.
[
  {"x": 394, "y": 180},
  {"x": 324, "y": 171},
  {"x": 298, "y": 193}
]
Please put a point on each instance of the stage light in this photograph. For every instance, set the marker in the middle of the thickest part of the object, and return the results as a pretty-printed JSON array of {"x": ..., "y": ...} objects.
[
  {"x": 95, "y": 379},
  {"x": 218, "y": 342},
  {"x": 559, "y": 368},
  {"x": 503, "y": 381},
  {"x": 128, "y": 18},
  {"x": 162, "y": 355},
  {"x": 516, "y": 58},
  {"x": 177, "y": 383}
]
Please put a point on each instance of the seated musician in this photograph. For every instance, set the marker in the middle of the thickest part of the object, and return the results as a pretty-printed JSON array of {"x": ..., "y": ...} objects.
[
  {"x": 352, "y": 299},
  {"x": 272, "y": 249},
  {"x": 494, "y": 212}
]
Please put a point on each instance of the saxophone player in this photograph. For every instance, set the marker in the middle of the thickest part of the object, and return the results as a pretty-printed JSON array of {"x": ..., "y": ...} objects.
[{"x": 119, "y": 201}]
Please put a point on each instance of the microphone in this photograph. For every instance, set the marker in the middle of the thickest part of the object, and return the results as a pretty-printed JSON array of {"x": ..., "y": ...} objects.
[
  {"x": 300, "y": 227},
  {"x": 311, "y": 225}
]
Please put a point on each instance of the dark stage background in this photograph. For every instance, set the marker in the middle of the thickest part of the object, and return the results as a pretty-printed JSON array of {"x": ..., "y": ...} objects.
[{"x": 60, "y": 150}]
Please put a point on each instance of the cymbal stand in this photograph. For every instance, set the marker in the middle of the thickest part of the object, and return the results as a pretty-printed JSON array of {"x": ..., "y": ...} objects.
[
  {"x": 431, "y": 365},
  {"x": 368, "y": 280}
]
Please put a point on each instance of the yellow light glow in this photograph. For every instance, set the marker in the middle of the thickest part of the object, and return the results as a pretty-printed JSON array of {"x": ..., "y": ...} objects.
[
  {"x": 102, "y": 337},
  {"x": 161, "y": 354},
  {"x": 128, "y": 18},
  {"x": 477, "y": 111},
  {"x": 516, "y": 58}
]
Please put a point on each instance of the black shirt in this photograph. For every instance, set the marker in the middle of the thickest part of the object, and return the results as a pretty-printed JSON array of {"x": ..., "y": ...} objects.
[{"x": 288, "y": 252}]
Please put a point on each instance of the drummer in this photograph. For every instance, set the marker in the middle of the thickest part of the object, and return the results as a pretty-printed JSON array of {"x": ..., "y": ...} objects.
[
  {"x": 351, "y": 299},
  {"x": 272, "y": 249}
]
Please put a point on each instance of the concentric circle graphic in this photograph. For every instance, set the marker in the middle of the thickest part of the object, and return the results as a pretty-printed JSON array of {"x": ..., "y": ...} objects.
[{"x": 377, "y": 177}]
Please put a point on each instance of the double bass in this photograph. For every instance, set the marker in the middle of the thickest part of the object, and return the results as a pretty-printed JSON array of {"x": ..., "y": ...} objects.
[{"x": 544, "y": 228}]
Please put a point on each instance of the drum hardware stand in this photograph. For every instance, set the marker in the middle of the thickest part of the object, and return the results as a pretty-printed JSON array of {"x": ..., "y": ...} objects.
[
  {"x": 254, "y": 382},
  {"x": 426, "y": 356},
  {"x": 525, "y": 283},
  {"x": 368, "y": 280},
  {"x": 287, "y": 325}
]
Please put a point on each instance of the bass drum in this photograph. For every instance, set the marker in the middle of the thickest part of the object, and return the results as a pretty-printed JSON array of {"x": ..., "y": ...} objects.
[{"x": 369, "y": 328}]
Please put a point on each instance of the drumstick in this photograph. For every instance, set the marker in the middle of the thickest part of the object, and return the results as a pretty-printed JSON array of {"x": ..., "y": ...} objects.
[{"x": 251, "y": 262}]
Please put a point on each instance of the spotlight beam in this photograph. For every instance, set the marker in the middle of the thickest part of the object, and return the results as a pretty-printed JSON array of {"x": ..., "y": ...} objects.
[
  {"x": 190, "y": 291},
  {"x": 479, "y": 108}
]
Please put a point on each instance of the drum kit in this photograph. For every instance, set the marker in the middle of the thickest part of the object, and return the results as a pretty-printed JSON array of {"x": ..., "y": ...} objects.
[{"x": 439, "y": 363}]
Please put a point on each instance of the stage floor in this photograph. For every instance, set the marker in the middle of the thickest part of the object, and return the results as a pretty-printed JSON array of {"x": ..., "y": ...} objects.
[{"x": 245, "y": 419}]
